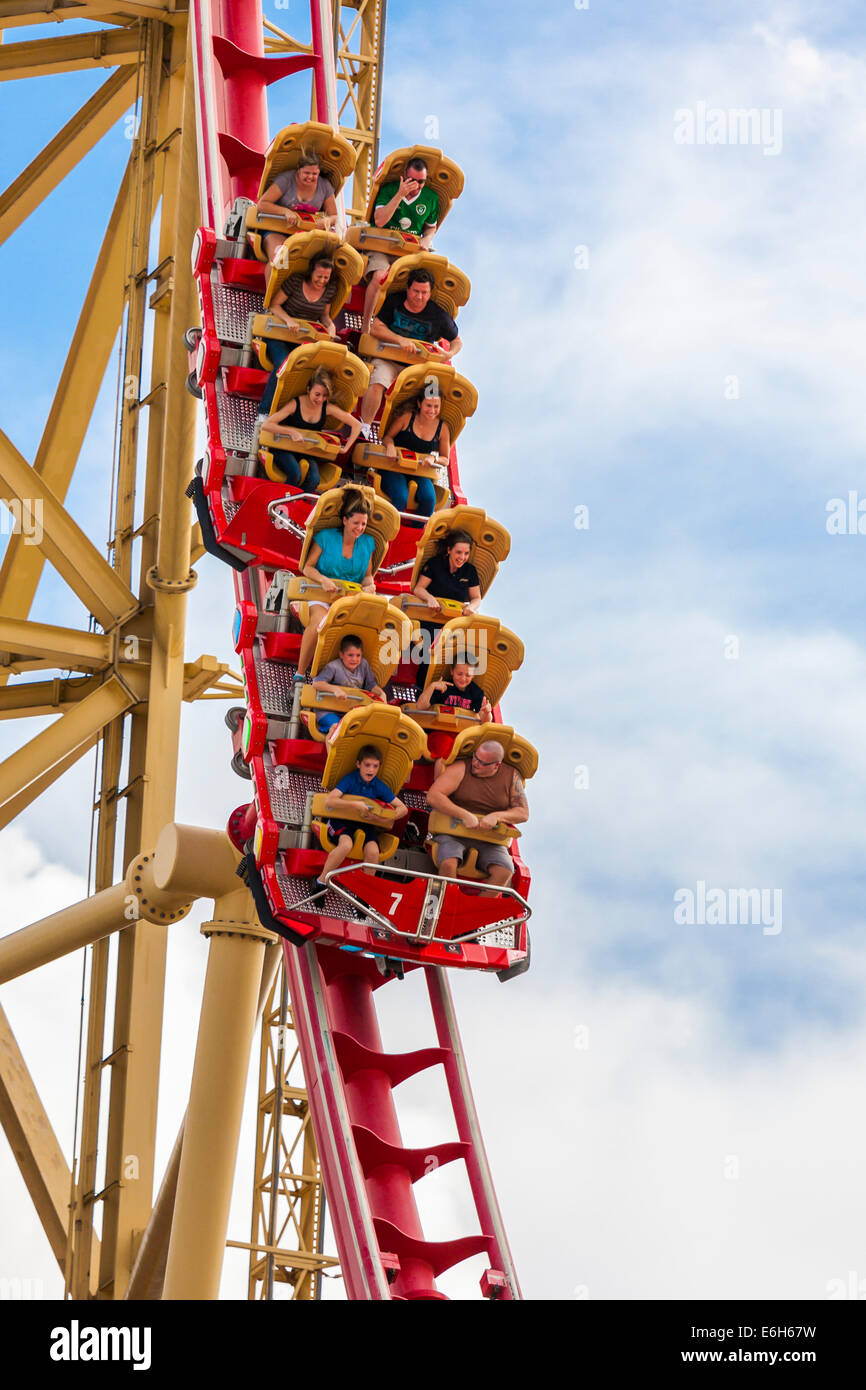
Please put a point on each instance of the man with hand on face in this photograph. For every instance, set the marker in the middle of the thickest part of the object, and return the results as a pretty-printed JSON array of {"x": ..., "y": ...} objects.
[
  {"x": 406, "y": 205},
  {"x": 407, "y": 318}
]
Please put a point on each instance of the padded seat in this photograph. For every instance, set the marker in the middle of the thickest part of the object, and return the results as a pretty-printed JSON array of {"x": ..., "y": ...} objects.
[
  {"x": 519, "y": 753},
  {"x": 459, "y": 400},
  {"x": 450, "y": 290},
  {"x": 497, "y": 649},
  {"x": 442, "y": 174},
  {"x": 383, "y": 524},
  {"x": 396, "y": 739},
  {"x": 490, "y": 546},
  {"x": 348, "y": 268},
  {"x": 384, "y": 633},
  {"x": 336, "y": 162}
]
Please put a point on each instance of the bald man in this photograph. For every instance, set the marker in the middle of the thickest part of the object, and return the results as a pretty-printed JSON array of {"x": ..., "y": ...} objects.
[{"x": 482, "y": 792}]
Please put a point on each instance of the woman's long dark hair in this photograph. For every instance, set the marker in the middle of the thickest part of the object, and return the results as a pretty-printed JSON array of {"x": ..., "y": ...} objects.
[
  {"x": 353, "y": 501},
  {"x": 452, "y": 538}
]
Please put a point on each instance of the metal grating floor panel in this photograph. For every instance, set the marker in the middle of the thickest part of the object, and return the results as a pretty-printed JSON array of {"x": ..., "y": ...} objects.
[
  {"x": 232, "y": 309},
  {"x": 332, "y": 905},
  {"x": 275, "y": 680},
  {"x": 237, "y": 417},
  {"x": 288, "y": 792}
]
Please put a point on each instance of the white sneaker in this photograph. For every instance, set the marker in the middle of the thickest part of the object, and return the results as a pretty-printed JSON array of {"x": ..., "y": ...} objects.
[{"x": 366, "y": 430}]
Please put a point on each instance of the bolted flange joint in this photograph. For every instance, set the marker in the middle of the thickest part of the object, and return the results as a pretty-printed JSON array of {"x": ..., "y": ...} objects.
[
  {"x": 154, "y": 904},
  {"x": 170, "y": 586}
]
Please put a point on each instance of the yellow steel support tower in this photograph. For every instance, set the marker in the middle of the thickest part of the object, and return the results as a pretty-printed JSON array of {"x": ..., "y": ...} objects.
[{"x": 125, "y": 697}]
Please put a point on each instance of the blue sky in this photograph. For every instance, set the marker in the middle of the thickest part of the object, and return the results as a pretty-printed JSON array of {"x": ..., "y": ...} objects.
[{"x": 610, "y": 386}]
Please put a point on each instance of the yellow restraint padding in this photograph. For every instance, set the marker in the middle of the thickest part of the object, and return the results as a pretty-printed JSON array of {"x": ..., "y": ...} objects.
[
  {"x": 450, "y": 288},
  {"x": 498, "y": 651},
  {"x": 336, "y": 156},
  {"x": 398, "y": 740},
  {"x": 315, "y": 702},
  {"x": 328, "y": 473},
  {"x": 383, "y": 523},
  {"x": 295, "y": 256},
  {"x": 442, "y": 174},
  {"x": 350, "y": 376},
  {"x": 387, "y": 843},
  {"x": 458, "y": 396},
  {"x": 383, "y": 630},
  {"x": 519, "y": 752},
  {"x": 490, "y": 541}
]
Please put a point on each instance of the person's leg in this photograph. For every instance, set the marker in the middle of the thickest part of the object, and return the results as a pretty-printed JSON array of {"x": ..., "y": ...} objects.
[
  {"x": 371, "y": 401},
  {"x": 318, "y": 613},
  {"x": 499, "y": 876},
  {"x": 425, "y": 497},
  {"x": 271, "y": 242},
  {"x": 311, "y": 482},
  {"x": 337, "y": 855},
  {"x": 278, "y": 351},
  {"x": 374, "y": 285},
  {"x": 371, "y": 852},
  {"x": 327, "y": 721},
  {"x": 396, "y": 488},
  {"x": 448, "y": 868},
  {"x": 428, "y": 632},
  {"x": 290, "y": 465}
]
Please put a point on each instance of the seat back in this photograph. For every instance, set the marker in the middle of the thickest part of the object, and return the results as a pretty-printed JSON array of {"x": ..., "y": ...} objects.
[
  {"x": 519, "y": 752},
  {"x": 490, "y": 541},
  {"x": 350, "y": 375},
  {"x": 398, "y": 740},
  {"x": 384, "y": 633},
  {"x": 336, "y": 156},
  {"x": 450, "y": 288},
  {"x": 295, "y": 256},
  {"x": 459, "y": 397},
  {"x": 498, "y": 651},
  {"x": 383, "y": 523},
  {"x": 442, "y": 174}
]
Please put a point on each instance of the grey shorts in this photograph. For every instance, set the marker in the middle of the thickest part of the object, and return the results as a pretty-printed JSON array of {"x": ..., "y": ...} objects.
[
  {"x": 450, "y": 847},
  {"x": 378, "y": 260},
  {"x": 384, "y": 372}
]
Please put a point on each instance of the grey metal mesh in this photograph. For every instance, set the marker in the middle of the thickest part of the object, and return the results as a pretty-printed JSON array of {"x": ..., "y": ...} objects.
[
  {"x": 231, "y": 309},
  {"x": 275, "y": 685},
  {"x": 237, "y": 417},
  {"x": 288, "y": 792}
]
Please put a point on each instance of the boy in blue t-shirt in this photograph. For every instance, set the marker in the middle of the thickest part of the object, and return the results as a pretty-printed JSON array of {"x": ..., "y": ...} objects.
[{"x": 362, "y": 782}]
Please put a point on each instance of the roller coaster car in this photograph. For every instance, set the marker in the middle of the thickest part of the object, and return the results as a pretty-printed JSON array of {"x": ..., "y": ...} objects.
[
  {"x": 442, "y": 174},
  {"x": 403, "y": 910},
  {"x": 336, "y": 163},
  {"x": 348, "y": 268},
  {"x": 519, "y": 753},
  {"x": 350, "y": 376},
  {"x": 459, "y": 399},
  {"x": 383, "y": 632},
  {"x": 450, "y": 290},
  {"x": 490, "y": 546}
]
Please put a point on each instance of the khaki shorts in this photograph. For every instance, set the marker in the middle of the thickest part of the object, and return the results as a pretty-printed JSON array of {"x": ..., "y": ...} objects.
[
  {"x": 378, "y": 260},
  {"x": 451, "y": 848},
  {"x": 384, "y": 373}
]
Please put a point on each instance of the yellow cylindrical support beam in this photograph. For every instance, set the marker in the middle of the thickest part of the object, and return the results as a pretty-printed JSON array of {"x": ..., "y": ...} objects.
[
  {"x": 196, "y": 862},
  {"x": 228, "y": 1018},
  {"x": 62, "y": 932}
]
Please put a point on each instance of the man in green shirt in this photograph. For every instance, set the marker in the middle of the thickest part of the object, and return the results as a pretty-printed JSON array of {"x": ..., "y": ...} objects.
[{"x": 407, "y": 205}]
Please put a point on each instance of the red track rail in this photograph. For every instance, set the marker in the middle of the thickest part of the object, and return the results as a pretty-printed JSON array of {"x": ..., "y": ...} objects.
[{"x": 368, "y": 1172}]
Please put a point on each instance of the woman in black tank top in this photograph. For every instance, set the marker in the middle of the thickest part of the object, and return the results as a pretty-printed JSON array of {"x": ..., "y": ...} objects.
[
  {"x": 308, "y": 411},
  {"x": 417, "y": 427}
]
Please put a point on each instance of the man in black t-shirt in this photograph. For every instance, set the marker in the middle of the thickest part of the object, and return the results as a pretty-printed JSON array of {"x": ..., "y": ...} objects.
[{"x": 407, "y": 318}]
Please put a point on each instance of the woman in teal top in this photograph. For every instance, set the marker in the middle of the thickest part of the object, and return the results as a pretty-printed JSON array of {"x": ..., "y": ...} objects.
[{"x": 338, "y": 552}]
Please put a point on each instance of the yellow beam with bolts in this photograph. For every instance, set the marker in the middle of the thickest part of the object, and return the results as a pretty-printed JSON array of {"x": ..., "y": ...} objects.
[
  {"x": 27, "y": 699},
  {"x": 67, "y": 149},
  {"x": 17, "y": 12},
  {"x": 73, "y": 402},
  {"x": 106, "y": 48},
  {"x": 66, "y": 648},
  {"x": 34, "y": 1143},
  {"x": 60, "y": 739},
  {"x": 62, "y": 541}
]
